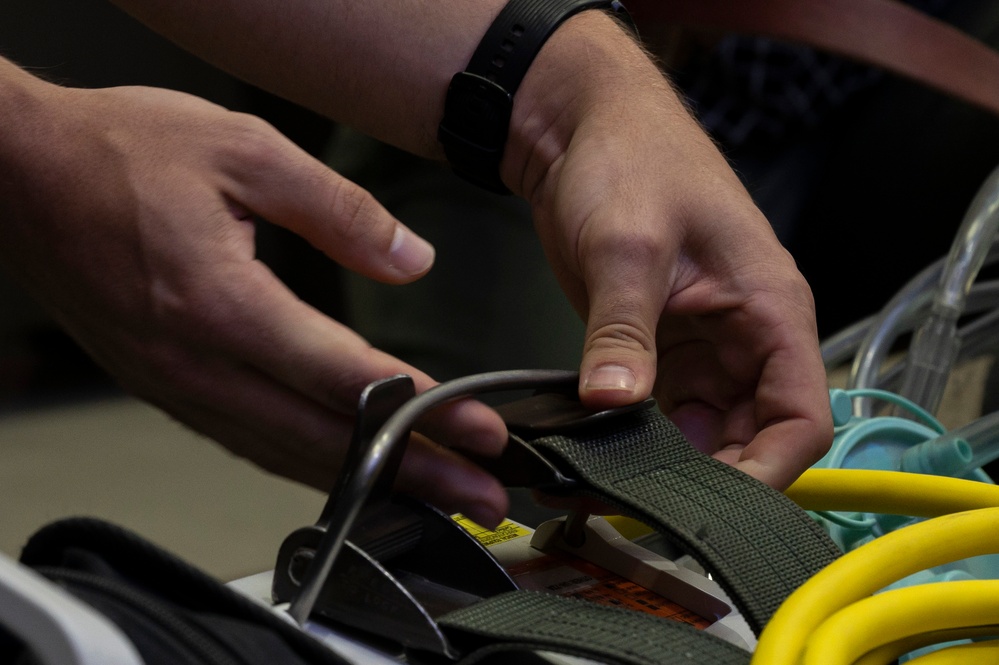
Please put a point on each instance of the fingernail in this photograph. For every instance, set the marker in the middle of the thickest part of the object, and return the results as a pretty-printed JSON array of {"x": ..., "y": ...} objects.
[
  {"x": 611, "y": 377},
  {"x": 484, "y": 515},
  {"x": 409, "y": 253}
]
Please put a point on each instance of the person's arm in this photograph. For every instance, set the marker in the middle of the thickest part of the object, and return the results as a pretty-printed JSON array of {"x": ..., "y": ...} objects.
[
  {"x": 680, "y": 279},
  {"x": 381, "y": 67},
  {"x": 125, "y": 212}
]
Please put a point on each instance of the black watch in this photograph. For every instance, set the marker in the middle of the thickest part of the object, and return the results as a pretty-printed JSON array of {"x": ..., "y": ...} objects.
[{"x": 480, "y": 99}]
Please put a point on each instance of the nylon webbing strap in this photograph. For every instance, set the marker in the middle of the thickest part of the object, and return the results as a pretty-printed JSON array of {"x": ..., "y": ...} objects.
[
  {"x": 757, "y": 543},
  {"x": 525, "y": 620}
]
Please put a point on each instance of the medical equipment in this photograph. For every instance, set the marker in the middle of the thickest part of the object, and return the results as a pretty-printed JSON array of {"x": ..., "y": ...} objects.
[{"x": 899, "y": 515}]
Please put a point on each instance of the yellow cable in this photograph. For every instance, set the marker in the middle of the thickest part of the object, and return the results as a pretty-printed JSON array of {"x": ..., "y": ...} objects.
[
  {"x": 890, "y": 652},
  {"x": 870, "y": 623},
  {"x": 890, "y": 492},
  {"x": 976, "y": 652},
  {"x": 869, "y": 568}
]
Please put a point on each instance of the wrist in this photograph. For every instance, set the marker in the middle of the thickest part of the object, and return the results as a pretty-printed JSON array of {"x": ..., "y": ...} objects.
[
  {"x": 590, "y": 72},
  {"x": 480, "y": 97}
]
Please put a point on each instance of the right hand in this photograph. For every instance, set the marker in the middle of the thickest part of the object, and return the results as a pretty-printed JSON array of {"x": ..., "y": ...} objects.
[{"x": 686, "y": 292}]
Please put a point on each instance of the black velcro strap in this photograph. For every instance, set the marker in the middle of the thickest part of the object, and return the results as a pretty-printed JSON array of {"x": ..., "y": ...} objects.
[
  {"x": 520, "y": 30},
  {"x": 479, "y": 99},
  {"x": 525, "y": 620},
  {"x": 757, "y": 543}
]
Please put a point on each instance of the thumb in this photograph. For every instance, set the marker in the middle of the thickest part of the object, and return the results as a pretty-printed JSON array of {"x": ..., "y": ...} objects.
[
  {"x": 294, "y": 190},
  {"x": 619, "y": 355}
]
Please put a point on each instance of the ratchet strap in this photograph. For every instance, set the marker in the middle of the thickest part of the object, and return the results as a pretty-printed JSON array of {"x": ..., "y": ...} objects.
[{"x": 757, "y": 544}]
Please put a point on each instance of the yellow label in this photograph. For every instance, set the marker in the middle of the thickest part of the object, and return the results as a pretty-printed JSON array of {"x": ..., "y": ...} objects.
[
  {"x": 506, "y": 531},
  {"x": 628, "y": 527}
]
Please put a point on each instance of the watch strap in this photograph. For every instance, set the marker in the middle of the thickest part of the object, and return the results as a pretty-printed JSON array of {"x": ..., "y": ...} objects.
[
  {"x": 479, "y": 99},
  {"x": 520, "y": 30}
]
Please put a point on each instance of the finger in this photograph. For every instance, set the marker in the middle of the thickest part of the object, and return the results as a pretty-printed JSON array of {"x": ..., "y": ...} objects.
[
  {"x": 781, "y": 452},
  {"x": 795, "y": 419},
  {"x": 327, "y": 362},
  {"x": 286, "y": 186},
  {"x": 791, "y": 400},
  {"x": 259, "y": 419},
  {"x": 690, "y": 371},
  {"x": 481, "y": 425},
  {"x": 288, "y": 435},
  {"x": 627, "y": 293},
  {"x": 265, "y": 450},
  {"x": 452, "y": 483},
  {"x": 700, "y": 423}
]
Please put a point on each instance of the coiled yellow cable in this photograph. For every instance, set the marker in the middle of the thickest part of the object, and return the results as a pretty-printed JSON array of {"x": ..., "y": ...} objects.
[
  {"x": 866, "y": 624},
  {"x": 889, "y": 653},
  {"x": 868, "y": 569},
  {"x": 890, "y": 492}
]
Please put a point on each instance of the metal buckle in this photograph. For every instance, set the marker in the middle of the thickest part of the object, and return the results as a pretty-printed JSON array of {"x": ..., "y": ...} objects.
[{"x": 399, "y": 569}]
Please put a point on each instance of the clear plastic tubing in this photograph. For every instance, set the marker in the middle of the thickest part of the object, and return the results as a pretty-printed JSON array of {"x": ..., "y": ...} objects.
[
  {"x": 935, "y": 345},
  {"x": 980, "y": 438},
  {"x": 893, "y": 318}
]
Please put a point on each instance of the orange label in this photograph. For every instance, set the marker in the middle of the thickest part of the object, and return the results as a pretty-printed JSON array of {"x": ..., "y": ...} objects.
[{"x": 570, "y": 576}]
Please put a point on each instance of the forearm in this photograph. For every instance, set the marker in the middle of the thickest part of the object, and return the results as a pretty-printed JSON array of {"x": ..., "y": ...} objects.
[
  {"x": 28, "y": 108},
  {"x": 383, "y": 67},
  {"x": 19, "y": 103}
]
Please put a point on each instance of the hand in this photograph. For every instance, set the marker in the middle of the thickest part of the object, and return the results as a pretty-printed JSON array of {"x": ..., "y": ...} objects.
[
  {"x": 128, "y": 214},
  {"x": 686, "y": 292}
]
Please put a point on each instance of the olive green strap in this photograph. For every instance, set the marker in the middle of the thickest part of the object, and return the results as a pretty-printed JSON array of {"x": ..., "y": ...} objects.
[
  {"x": 528, "y": 620},
  {"x": 758, "y": 545}
]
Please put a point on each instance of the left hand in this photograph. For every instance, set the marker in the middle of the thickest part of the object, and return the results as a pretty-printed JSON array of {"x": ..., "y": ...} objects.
[{"x": 127, "y": 216}]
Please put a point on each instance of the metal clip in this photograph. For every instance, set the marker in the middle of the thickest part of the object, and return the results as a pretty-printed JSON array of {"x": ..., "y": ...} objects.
[
  {"x": 596, "y": 541},
  {"x": 521, "y": 464},
  {"x": 406, "y": 563}
]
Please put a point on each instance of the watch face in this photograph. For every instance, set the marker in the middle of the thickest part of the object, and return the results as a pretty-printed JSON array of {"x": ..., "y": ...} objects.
[{"x": 477, "y": 113}]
